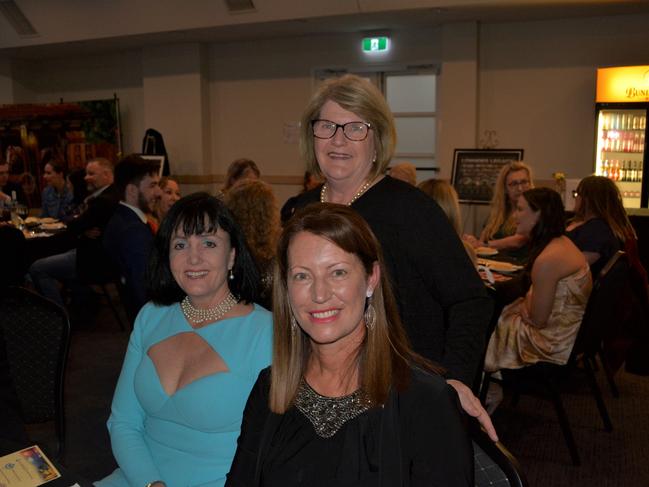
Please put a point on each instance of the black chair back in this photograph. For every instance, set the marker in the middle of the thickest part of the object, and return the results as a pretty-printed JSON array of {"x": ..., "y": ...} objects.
[
  {"x": 37, "y": 336},
  {"x": 494, "y": 465}
]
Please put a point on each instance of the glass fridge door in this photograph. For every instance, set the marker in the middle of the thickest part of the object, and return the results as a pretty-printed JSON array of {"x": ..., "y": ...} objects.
[{"x": 620, "y": 150}]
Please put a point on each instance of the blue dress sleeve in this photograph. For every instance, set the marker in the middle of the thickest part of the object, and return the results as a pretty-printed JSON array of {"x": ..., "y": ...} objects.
[{"x": 126, "y": 421}]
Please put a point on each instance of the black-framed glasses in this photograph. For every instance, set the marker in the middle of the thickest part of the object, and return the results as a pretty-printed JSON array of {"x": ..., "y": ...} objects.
[
  {"x": 523, "y": 183},
  {"x": 326, "y": 129}
]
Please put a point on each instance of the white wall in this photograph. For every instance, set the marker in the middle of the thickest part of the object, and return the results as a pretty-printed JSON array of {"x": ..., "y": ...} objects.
[
  {"x": 537, "y": 85},
  {"x": 531, "y": 82}
]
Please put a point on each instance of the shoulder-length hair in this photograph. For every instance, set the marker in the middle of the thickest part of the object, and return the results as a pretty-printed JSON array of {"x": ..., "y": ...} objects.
[
  {"x": 196, "y": 214},
  {"x": 362, "y": 98},
  {"x": 551, "y": 223},
  {"x": 385, "y": 357},
  {"x": 601, "y": 198},
  {"x": 501, "y": 208}
]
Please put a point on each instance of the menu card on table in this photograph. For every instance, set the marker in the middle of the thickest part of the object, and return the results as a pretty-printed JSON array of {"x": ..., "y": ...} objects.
[{"x": 26, "y": 468}]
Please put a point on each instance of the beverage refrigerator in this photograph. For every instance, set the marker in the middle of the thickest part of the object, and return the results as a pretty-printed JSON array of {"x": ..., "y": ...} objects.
[{"x": 622, "y": 109}]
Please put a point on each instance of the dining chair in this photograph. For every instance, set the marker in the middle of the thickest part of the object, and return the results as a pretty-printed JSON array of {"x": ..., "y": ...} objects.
[
  {"x": 495, "y": 466},
  {"x": 37, "y": 337}
]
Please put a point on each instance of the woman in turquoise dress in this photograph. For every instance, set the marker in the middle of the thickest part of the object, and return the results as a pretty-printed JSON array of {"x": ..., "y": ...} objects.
[{"x": 195, "y": 352}]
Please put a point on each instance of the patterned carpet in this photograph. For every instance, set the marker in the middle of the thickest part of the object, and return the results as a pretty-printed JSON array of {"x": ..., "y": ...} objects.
[{"x": 530, "y": 430}]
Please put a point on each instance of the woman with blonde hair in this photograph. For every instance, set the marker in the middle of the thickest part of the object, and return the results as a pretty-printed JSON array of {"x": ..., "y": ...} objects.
[
  {"x": 500, "y": 230},
  {"x": 346, "y": 401},
  {"x": 254, "y": 205},
  {"x": 446, "y": 197},
  {"x": 348, "y": 137}
]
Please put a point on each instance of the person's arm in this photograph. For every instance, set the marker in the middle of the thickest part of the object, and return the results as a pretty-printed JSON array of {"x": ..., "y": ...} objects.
[
  {"x": 439, "y": 445},
  {"x": 512, "y": 242},
  {"x": 244, "y": 466},
  {"x": 126, "y": 421},
  {"x": 546, "y": 273}
]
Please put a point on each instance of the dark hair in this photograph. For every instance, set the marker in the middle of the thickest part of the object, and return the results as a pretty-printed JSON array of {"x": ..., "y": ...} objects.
[
  {"x": 57, "y": 166},
  {"x": 601, "y": 198},
  {"x": 196, "y": 214},
  {"x": 385, "y": 356},
  {"x": 552, "y": 220},
  {"x": 237, "y": 169},
  {"x": 133, "y": 169}
]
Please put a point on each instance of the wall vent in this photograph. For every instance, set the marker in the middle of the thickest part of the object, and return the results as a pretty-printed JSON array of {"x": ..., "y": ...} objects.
[
  {"x": 240, "y": 6},
  {"x": 17, "y": 19}
]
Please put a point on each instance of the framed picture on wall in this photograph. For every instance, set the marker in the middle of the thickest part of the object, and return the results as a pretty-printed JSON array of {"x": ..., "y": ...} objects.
[
  {"x": 475, "y": 172},
  {"x": 159, "y": 159}
]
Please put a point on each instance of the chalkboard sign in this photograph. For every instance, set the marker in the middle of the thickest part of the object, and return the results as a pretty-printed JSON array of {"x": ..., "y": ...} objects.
[{"x": 475, "y": 172}]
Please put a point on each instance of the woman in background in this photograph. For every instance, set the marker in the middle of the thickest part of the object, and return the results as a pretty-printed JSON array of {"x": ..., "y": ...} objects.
[
  {"x": 346, "y": 401},
  {"x": 240, "y": 170},
  {"x": 194, "y": 354},
  {"x": 543, "y": 325},
  {"x": 254, "y": 206},
  {"x": 169, "y": 194},
  {"x": 601, "y": 226},
  {"x": 500, "y": 230},
  {"x": 57, "y": 198},
  {"x": 446, "y": 197}
]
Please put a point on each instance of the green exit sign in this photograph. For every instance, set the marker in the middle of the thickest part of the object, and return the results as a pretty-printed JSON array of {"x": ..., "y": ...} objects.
[{"x": 375, "y": 44}]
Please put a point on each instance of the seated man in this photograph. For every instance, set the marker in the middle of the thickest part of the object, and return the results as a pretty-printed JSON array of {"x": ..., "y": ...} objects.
[
  {"x": 81, "y": 255},
  {"x": 128, "y": 237}
]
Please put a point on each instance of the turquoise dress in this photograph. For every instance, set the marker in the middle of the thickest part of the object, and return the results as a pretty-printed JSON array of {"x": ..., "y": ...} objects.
[{"x": 188, "y": 438}]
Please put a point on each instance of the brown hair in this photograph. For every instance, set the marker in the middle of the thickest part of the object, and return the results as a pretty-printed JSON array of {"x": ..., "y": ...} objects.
[
  {"x": 502, "y": 210},
  {"x": 601, "y": 198},
  {"x": 385, "y": 357},
  {"x": 237, "y": 169},
  {"x": 254, "y": 206},
  {"x": 362, "y": 98}
]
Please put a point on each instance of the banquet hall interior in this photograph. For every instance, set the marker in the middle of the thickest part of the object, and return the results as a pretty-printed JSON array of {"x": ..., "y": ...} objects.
[{"x": 228, "y": 79}]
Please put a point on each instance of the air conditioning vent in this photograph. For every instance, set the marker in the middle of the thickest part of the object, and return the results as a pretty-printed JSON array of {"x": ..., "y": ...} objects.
[
  {"x": 240, "y": 6},
  {"x": 17, "y": 19}
]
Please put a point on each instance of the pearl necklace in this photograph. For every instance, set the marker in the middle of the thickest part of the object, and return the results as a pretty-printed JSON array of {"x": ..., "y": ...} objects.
[
  {"x": 199, "y": 315},
  {"x": 359, "y": 193}
]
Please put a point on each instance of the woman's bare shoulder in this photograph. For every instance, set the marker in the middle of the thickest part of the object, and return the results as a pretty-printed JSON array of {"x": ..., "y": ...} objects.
[{"x": 560, "y": 258}]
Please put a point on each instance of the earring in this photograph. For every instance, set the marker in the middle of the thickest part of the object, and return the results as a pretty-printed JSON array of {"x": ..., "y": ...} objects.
[
  {"x": 230, "y": 274},
  {"x": 370, "y": 313},
  {"x": 293, "y": 326}
]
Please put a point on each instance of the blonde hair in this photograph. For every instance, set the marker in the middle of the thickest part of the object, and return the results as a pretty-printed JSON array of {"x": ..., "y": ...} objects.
[
  {"x": 405, "y": 171},
  {"x": 501, "y": 214},
  {"x": 385, "y": 357},
  {"x": 254, "y": 206},
  {"x": 362, "y": 98}
]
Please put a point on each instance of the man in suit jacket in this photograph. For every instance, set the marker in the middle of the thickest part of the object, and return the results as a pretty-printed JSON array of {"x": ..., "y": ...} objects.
[
  {"x": 77, "y": 252},
  {"x": 128, "y": 236}
]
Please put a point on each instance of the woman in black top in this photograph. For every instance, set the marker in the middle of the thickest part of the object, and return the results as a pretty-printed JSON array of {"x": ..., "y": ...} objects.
[
  {"x": 346, "y": 402},
  {"x": 348, "y": 137},
  {"x": 601, "y": 226}
]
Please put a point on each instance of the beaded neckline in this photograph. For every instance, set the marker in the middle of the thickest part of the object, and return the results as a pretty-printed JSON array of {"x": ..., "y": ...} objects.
[{"x": 329, "y": 414}]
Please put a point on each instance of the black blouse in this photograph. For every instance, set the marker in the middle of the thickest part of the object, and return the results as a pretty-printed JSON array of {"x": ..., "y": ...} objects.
[
  {"x": 595, "y": 236},
  {"x": 416, "y": 440}
]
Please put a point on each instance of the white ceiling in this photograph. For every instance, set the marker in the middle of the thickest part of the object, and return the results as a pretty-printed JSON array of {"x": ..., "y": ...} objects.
[{"x": 78, "y": 26}]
